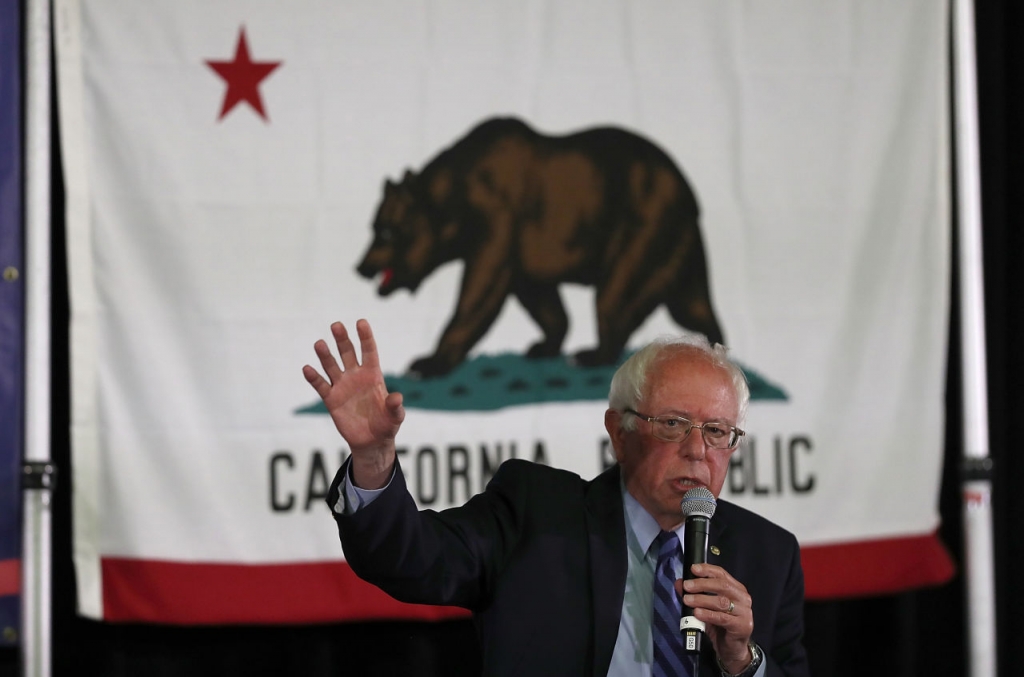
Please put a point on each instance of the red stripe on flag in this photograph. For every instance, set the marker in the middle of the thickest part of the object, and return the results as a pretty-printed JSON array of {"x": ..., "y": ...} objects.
[
  {"x": 10, "y": 577},
  {"x": 183, "y": 593},
  {"x": 188, "y": 593},
  {"x": 875, "y": 567}
]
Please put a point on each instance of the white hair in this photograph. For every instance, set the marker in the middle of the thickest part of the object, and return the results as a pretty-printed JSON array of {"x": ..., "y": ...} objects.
[{"x": 629, "y": 381}]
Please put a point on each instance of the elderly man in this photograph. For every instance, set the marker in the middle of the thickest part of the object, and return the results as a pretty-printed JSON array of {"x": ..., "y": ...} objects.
[{"x": 566, "y": 576}]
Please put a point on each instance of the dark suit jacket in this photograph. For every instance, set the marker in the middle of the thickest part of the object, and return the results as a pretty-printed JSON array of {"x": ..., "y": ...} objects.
[{"x": 539, "y": 557}]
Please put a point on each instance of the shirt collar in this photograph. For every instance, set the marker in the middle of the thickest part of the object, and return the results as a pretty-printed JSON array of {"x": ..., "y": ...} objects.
[{"x": 643, "y": 525}]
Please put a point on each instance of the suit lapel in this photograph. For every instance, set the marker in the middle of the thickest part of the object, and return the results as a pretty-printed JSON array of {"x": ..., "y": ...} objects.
[
  {"x": 719, "y": 546},
  {"x": 606, "y": 531}
]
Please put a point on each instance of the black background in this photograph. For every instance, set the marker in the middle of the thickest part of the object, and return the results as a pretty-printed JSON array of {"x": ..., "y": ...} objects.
[{"x": 919, "y": 632}]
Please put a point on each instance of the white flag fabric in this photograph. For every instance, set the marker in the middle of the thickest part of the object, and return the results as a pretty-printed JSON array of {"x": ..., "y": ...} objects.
[{"x": 516, "y": 195}]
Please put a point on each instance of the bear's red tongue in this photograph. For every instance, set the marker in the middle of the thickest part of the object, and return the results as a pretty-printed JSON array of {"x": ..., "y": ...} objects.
[{"x": 385, "y": 278}]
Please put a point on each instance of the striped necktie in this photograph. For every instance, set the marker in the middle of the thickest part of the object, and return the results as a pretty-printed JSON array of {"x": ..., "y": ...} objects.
[{"x": 669, "y": 659}]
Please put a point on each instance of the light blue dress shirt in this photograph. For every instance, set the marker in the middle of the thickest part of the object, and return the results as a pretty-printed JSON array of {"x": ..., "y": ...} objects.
[
  {"x": 634, "y": 646},
  {"x": 351, "y": 498}
]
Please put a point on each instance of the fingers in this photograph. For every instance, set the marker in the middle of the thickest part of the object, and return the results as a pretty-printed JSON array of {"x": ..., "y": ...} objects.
[
  {"x": 724, "y": 599},
  {"x": 367, "y": 344},
  {"x": 314, "y": 379},
  {"x": 714, "y": 610},
  {"x": 713, "y": 579},
  {"x": 724, "y": 604},
  {"x": 346, "y": 349},
  {"x": 330, "y": 368},
  {"x": 731, "y": 601},
  {"x": 721, "y": 603}
]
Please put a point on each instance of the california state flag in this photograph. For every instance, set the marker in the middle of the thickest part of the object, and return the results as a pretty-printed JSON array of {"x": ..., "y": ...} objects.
[{"x": 516, "y": 195}]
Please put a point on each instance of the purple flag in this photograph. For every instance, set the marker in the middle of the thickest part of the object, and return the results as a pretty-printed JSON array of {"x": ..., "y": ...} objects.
[{"x": 11, "y": 321}]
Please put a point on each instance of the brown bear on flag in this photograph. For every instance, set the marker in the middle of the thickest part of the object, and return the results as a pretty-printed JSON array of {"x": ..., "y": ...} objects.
[{"x": 527, "y": 212}]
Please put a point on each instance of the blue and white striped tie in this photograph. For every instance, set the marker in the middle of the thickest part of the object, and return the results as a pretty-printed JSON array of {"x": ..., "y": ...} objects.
[{"x": 669, "y": 658}]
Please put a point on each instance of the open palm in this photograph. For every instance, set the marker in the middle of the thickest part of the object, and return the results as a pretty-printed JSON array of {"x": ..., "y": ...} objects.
[{"x": 366, "y": 415}]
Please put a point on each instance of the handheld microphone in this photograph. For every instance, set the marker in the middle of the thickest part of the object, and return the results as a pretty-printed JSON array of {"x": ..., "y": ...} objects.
[{"x": 698, "y": 507}]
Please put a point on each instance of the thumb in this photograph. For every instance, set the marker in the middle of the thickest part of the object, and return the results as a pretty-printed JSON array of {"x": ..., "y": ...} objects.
[{"x": 396, "y": 411}]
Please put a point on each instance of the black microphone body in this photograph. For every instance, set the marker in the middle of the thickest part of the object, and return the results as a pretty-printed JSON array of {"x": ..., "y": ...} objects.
[
  {"x": 695, "y": 551},
  {"x": 698, "y": 506}
]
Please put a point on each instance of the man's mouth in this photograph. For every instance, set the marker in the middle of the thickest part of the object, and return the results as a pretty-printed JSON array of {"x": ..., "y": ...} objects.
[{"x": 684, "y": 484}]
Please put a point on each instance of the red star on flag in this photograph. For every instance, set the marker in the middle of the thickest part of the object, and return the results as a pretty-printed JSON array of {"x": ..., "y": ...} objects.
[{"x": 243, "y": 77}]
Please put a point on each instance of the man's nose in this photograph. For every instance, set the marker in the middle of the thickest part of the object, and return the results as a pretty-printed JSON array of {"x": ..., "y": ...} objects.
[{"x": 693, "y": 445}]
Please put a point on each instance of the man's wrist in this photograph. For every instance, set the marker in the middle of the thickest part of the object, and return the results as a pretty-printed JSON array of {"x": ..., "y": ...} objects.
[
  {"x": 374, "y": 472},
  {"x": 352, "y": 499},
  {"x": 754, "y": 662}
]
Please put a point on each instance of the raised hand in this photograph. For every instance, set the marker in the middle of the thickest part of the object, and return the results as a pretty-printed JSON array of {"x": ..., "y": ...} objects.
[{"x": 363, "y": 411}]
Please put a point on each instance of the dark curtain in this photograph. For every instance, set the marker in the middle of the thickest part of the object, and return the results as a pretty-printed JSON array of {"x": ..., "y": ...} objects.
[{"x": 920, "y": 632}]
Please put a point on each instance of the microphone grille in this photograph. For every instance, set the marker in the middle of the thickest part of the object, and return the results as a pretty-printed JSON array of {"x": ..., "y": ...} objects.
[{"x": 699, "y": 501}]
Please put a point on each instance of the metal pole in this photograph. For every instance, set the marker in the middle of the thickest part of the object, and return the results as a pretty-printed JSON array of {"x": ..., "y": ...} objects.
[
  {"x": 36, "y": 554},
  {"x": 977, "y": 486}
]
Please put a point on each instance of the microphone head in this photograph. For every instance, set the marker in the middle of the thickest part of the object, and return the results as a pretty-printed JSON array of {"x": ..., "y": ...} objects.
[{"x": 699, "y": 501}]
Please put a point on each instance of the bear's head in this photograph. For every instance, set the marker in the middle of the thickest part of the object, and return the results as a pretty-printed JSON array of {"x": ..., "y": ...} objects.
[{"x": 407, "y": 237}]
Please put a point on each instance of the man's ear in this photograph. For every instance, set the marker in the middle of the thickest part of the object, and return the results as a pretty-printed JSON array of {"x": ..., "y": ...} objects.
[{"x": 613, "y": 424}]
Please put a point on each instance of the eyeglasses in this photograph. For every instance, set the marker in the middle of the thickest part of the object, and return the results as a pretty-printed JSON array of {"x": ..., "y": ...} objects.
[{"x": 677, "y": 428}]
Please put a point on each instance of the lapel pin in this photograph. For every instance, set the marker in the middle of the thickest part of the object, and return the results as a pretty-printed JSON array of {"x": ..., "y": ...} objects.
[{"x": 715, "y": 550}]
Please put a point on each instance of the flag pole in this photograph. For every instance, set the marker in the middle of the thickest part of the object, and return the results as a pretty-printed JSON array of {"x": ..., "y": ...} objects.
[
  {"x": 38, "y": 469},
  {"x": 977, "y": 484}
]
